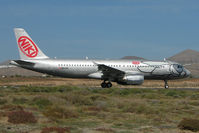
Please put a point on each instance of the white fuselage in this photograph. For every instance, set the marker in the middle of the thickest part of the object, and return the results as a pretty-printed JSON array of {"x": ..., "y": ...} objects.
[{"x": 89, "y": 69}]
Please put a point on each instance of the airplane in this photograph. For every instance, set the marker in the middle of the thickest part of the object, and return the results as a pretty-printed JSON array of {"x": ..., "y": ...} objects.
[{"x": 124, "y": 72}]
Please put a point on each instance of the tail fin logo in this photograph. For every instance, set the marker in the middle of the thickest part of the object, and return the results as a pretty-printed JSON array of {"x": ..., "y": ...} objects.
[{"x": 27, "y": 46}]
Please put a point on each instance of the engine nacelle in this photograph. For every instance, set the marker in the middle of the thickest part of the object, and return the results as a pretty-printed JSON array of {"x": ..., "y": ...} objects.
[{"x": 131, "y": 80}]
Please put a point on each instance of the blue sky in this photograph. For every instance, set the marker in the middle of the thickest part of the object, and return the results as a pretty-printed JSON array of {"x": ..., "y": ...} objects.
[{"x": 153, "y": 29}]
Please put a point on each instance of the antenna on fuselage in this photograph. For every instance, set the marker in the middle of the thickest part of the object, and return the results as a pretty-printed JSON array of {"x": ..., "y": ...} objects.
[{"x": 167, "y": 61}]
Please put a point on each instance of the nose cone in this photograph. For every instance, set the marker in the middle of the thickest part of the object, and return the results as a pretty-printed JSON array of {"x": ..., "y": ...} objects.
[{"x": 188, "y": 73}]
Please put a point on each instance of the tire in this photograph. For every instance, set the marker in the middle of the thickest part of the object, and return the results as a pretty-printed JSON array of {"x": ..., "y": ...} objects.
[
  {"x": 109, "y": 85},
  {"x": 103, "y": 85},
  {"x": 166, "y": 87}
]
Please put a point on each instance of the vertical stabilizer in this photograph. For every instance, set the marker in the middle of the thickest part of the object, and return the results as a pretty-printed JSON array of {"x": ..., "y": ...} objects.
[{"x": 28, "y": 49}]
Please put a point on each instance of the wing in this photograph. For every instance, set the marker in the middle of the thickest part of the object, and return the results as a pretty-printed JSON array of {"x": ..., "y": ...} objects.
[{"x": 110, "y": 72}]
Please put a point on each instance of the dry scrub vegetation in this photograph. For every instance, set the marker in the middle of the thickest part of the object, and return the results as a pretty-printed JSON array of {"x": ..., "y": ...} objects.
[{"x": 31, "y": 108}]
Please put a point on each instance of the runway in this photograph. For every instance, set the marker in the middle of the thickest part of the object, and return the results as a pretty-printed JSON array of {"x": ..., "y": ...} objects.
[{"x": 147, "y": 88}]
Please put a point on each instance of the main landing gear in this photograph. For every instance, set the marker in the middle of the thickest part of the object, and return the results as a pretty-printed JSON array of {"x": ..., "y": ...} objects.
[
  {"x": 106, "y": 84},
  {"x": 166, "y": 86}
]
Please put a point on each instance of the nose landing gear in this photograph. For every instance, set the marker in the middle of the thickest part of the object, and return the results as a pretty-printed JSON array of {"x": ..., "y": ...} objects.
[
  {"x": 106, "y": 84},
  {"x": 166, "y": 86}
]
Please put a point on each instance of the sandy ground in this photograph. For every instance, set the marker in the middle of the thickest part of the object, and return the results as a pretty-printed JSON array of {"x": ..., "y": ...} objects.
[{"x": 53, "y": 81}]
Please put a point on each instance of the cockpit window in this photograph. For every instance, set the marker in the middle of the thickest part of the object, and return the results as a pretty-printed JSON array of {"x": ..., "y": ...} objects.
[{"x": 178, "y": 68}]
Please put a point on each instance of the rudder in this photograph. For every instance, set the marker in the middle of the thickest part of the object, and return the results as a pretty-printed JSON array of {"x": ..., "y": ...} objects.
[{"x": 27, "y": 47}]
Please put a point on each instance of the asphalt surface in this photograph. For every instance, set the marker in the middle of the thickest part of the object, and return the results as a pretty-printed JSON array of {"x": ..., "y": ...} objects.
[
  {"x": 194, "y": 89},
  {"x": 172, "y": 88}
]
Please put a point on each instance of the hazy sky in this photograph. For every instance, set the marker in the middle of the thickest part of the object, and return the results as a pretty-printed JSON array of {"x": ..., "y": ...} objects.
[{"x": 153, "y": 29}]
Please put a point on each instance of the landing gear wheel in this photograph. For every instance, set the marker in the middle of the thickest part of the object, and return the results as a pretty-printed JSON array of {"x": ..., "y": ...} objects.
[
  {"x": 166, "y": 86},
  {"x": 109, "y": 85},
  {"x": 106, "y": 85},
  {"x": 103, "y": 85}
]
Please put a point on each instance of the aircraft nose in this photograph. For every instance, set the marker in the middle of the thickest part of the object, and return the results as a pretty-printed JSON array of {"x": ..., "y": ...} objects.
[{"x": 188, "y": 73}]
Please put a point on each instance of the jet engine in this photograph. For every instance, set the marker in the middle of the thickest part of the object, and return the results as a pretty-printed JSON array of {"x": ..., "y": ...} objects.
[{"x": 131, "y": 80}]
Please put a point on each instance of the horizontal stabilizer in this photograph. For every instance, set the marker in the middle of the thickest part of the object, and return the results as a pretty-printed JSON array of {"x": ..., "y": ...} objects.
[{"x": 22, "y": 63}]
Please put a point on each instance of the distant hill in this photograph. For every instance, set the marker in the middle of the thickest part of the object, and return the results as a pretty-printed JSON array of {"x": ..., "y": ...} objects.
[
  {"x": 186, "y": 57},
  {"x": 13, "y": 71},
  {"x": 5, "y": 63},
  {"x": 132, "y": 58},
  {"x": 7, "y": 70}
]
